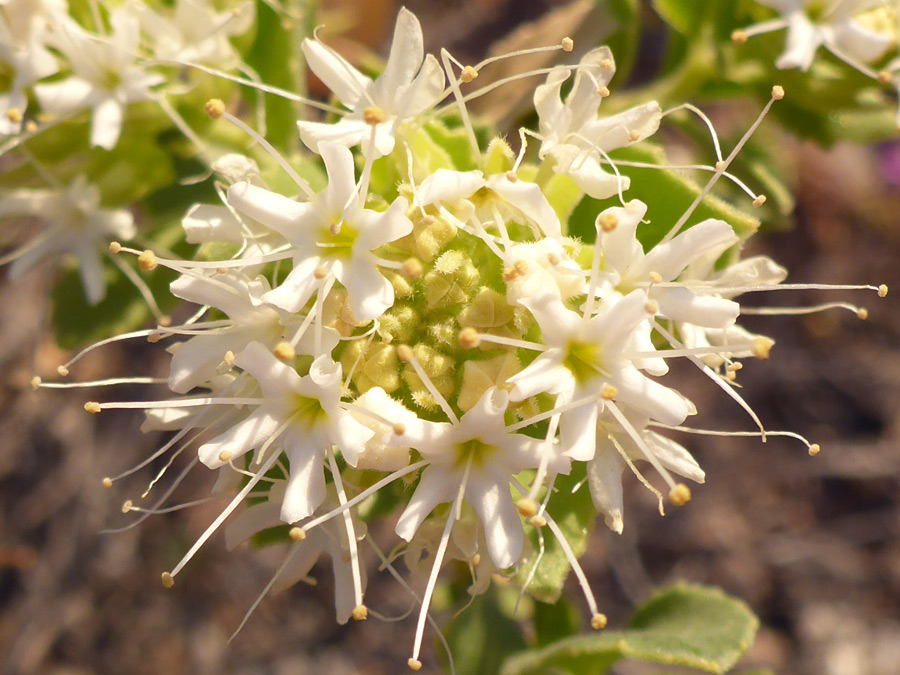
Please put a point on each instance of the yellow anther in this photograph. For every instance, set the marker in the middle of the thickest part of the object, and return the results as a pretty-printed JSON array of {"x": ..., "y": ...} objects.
[
  {"x": 228, "y": 358},
  {"x": 320, "y": 272},
  {"x": 14, "y": 115},
  {"x": 814, "y": 449},
  {"x": 405, "y": 353},
  {"x": 603, "y": 92},
  {"x": 777, "y": 92},
  {"x": 734, "y": 367},
  {"x": 468, "y": 74},
  {"x": 399, "y": 428},
  {"x": 167, "y": 580},
  {"x": 761, "y": 346},
  {"x": 360, "y": 613},
  {"x": 553, "y": 258},
  {"x": 882, "y": 291},
  {"x": 652, "y": 307},
  {"x": 62, "y": 371},
  {"x": 107, "y": 482},
  {"x": 335, "y": 228},
  {"x": 221, "y": 270},
  {"x": 634, "y": 135},
  {"x": 468, "y": 338},
  {"x": 680, "y": 495},
  {"x": 153, "y": 338},
  {"x": 164, "y": 320},
  {"x": 567, "y": 44},
  {"x": 539, "y": 521},
  {"x": 373, "y": 115},
  {"x": 598, "y": 621},
  {"x": 655, "y": 277},
  {"x": 31, "y": 126},
  {"x": 36, "y": 383},
  {"x": 414, "y": 664},
  {"x": 512, "y": 177},
  {"x": 284, "y": 352},
  {"x": 526, "y": 507},
  {"x": 884, "y": 77},
  {"x": 607, "y": 222},
  {"x": 114, "y": 247},
  {"x": 607, "y": 64},
  {"x": 476, "y": 559},
  {"x": 147, "y": 261},
  {"x": 92, "y": 407},
  {"x": 738, "y": 37},
  {"x": 297, "y": 534},
  {"x": 862, "y": 313},
  {"x": 225, "y": 456},
  {"x": 759, "y": 201},
  {"x": 126, "y": 505},
  {"x": 215, "y": 108},
  {"x": 412, "y": 268},
  {"x": 609, "y": 392}
]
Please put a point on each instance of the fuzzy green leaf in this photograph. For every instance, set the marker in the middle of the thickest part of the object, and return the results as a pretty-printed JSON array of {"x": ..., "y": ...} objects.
[{"x": 483, "y": 637}]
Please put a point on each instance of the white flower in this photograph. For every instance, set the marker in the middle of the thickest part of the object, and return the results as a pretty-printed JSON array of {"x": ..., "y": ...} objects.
[
  {"x": 333, "y": 234},
  {"x": 24, "y": 56},
  {"x": 572, "y": 134},
  {"x": 832, "y": 23},
  {"x": 540, "y": 267},
  {"x": 251, "y": 320},
  {"x": 194, "y": 32},
  {"x": 407, "y": 88},
  {"x": 582, "y": 358},
  {"x": 379, "y": 454},
  {"x": 479, "y": 456},
  {"x": 76, "y": 225},
  {"x": 307, "y": 411},
  {"x": 106, "y": 76}
]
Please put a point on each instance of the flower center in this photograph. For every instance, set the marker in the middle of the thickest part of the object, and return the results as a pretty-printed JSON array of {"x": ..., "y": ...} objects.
[
  {"x": 584, "y": 360},
  {"x": 816, "y": 9},
  {"x": 475, "y": 449},
  {"x": 337, "y": 239},
  {"x": 307, "y": 411}
]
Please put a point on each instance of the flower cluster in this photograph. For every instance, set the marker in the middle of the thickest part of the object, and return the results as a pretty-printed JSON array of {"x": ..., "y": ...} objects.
[{"x": 424, "y": 332}]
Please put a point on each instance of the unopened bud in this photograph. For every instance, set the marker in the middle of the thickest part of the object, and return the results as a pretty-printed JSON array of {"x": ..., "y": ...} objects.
[
  {"x": 284, "y": 352},
  {"x": 680, "y": 495},
  {"x": 147, "y": 261},
  {"x": 215, "y": 108}
]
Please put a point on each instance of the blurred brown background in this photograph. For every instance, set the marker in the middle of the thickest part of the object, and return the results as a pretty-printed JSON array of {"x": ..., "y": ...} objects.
[{"x": 811, "y": 544}]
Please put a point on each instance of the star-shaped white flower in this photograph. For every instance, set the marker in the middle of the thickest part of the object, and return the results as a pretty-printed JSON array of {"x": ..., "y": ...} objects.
[
  {"x": 408, "y": 87},
  {"x": 307, "y": 411},
  {"x": 332, "y": 235},
  {"x": 76, "y": 225},
  {"x": 106, "y": 76},
  {"x": 572, "y": 134},
  {"x": 480, "y": 456}
]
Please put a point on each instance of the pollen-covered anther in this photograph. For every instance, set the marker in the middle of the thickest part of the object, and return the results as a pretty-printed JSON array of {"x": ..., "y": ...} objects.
[
  {"x": 35, "y": 383},
  {"x": 608, "y": 222},
  {"x": 759, "y": 201},
  {"x": 320, "y": 272},
  {"x": 147, "y": 261},
  {"x": 297, "y": 534},
  {"x": 634, "y": 135},
  {"x": 92, "y": 407},
  {"x": 468, "y": 338},
  {"x": 734, "y": 367},
  {"x": 221, "y": 270},
  {"x": 738, "y": 37},
  {"x": 468, "y": 74},
  {"x": 882, "y": 291},
  {"x": 126, "y": 505},
  {"x": 884, "y": 77},
  {"x": 598, "y": 621},
  {"x": 476, "y": 560},
  {"x": 399, "y": 429},
  {"x": 414, "y": 664},
  {"x": 680, "y": 495},
  {"x": 512, "y": 177},
  {"x": 862, "y": 313},
  {"x": 164, "y": 320},
  {"x": 335, "y": 229},
  {"x": 31, "y": 126},
  {"x": 228, "y": 358},
  {"x": 655, "y": 277},
  {"x": 539, "y": 521},
  {"x": 814, "y": 449},
  {"x": 609, "y": 392},
  {"x": 526, "y": 507},
  {"x": 652, "y": 307},
  {"x": 567, "y": 44},
  {"x": 360, "y": 613},
  {"x": 284, "y": 352},
  {"x": 225, "y": 456},
  {"x": 114, "y": 247},
  {"x": 405, "y": 353},
  {"x": 167, "y": 580},
  {"x": 154, "y": 337},
  {"x": 14, "y": 115},
  {"x": 603, "y": 92},
  {"x": 373, "y": 115},
  {"x": 62, "y": 371},
  {"x": 215, "y": 108},
  {"x": 412, "y": 268},
  {"x": 761, "y": 346},
  {"x": 607, "y": 64},
  {"x": 778, "y": 92}
]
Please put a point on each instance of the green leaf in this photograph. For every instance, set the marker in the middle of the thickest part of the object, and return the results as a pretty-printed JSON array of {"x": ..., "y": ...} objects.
[
  {"x": 553, "y": 622},
  {"x": 684, "y": 625},
  {"x": 455, "y": 142},
  {"x": 575, "y": 514},
  {"x": 482, "y": 637},
  {"x": 667, "y": 194},
  {"x": 685, "y": 16}
]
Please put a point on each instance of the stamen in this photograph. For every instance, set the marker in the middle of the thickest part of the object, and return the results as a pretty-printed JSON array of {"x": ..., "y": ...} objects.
[
  {"x": 351, "y": 539},
  {"x": 265, "y": 591},
  {"x": 460, "y": 101}
]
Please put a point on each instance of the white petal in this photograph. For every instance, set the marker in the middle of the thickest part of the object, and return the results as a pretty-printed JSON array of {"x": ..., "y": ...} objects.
[
  {"x": 620, "y": 319},
  {"x": 206, "y": 222},
  {"x": 336, "y": 73},
  {"x": 545, "y": 374},
  {"x": 434, "y": 488},
  {"x": 578, "y": 432},
  {"x": 341, "y": 179},
  {"x": 69, "y": 95},
  {"x": 286, "y": 216},
  {"x": 297, "y": 287},
  {"x": 305, "y": 489},
  {"x": 276, "y": 379},
  {"x": 680, "y": 304},
  {"x": 377, "y": 229},
  {"x": 528, "y": 198},
  {"x": 370, "y": 294},
  {"x": 559, "y": 325},
  {"x": 670, "y": 259},
  {"x": 446, "y": 185},
  {"x": 425, "y": 91},
  {"x": 623, "y": 129},
  {"x": 502, "y": 526},
  {"x": 196, "y": 361},
  {"x": 584, "y": 99},
  {"x": 860, "y": 42},
  {"x": 346, "y": 132},
  {"x": 106, "y": 123},
  {"x": 650, "y": 397},
  {"x": 407, "y": 52},
  {"x": 620, "y": 247},
  {"x": 803, "y": 40},
  {"x": 239, "y": 439},
  {"x": 605, "y": 480},
  {"x": 675, "y": 457},
  {"x": 349, "y": 435},
  {"x": 587, "y": 173},
  {"x": 91, "y": 270}
]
